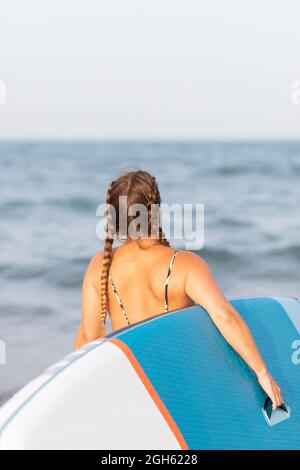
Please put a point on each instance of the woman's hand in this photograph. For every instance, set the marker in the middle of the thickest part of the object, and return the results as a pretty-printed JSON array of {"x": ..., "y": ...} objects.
[{"x": 271, "y": 388}]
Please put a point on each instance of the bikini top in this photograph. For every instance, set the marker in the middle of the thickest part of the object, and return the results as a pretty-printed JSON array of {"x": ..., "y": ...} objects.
[{"x": 166, "y": 308}]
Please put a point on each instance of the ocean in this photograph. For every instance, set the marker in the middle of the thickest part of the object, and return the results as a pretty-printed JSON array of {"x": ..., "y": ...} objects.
[{"x": 49, "y": 195}]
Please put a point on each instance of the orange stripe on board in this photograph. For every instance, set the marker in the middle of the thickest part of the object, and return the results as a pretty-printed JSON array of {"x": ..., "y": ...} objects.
[{"x": 152, "y": 392}]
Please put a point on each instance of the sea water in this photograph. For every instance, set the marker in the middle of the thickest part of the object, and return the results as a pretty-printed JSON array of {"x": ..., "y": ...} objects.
[{"x": 49, "y": 193}]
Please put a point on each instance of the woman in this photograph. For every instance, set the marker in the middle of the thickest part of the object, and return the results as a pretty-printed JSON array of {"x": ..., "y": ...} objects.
[{"x": 145, "y": 277}]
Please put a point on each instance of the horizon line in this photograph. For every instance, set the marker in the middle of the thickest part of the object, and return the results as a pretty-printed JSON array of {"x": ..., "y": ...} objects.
[{"x": 150, "y": 140}]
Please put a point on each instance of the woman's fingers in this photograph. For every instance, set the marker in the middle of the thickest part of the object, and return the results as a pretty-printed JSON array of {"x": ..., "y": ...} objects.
[
  {"x": 272, "y": 389},
  {"x": 274, "y": 401},
  {"x": 279, "y": 398},
  {"x": 273, "y": 397},
  {"x": 276, "y": 397}
]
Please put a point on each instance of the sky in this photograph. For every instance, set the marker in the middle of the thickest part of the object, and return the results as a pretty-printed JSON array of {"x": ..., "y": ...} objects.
[{"x": 149, "y": 69}]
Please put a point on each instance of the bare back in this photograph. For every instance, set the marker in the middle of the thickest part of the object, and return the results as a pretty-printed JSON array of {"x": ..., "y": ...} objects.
[{"x": 139, "y": 276}]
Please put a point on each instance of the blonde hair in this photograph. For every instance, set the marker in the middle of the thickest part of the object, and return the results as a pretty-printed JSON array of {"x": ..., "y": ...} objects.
[{"x": 140, "y": 188}]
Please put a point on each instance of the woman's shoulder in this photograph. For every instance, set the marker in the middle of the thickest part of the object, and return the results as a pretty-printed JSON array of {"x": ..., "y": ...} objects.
[
  {"x": 93, "y": 271},
  {"x": 96, "y": 260},
  {"x": 93, "y": 268},
  {"x": 190, "y": 260},
  {"x": 186, "y": 260}
]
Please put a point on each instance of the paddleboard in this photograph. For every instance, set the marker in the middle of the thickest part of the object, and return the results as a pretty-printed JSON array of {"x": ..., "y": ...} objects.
[{"x": 171, "y": 382}]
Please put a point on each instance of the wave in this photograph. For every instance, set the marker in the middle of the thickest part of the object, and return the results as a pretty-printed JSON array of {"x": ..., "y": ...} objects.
[
  {"x": 25, "y": 310},
  {"x": 48, "y": 269},
  {"x": 292, "y": 251},
  {"x": 5, "y": 396},
  {"x": 25, "y": 272},
  {"x": 218, "y": 254},
  {"x": 231, "y": 222},
  {"x": 76, "y": 203}
]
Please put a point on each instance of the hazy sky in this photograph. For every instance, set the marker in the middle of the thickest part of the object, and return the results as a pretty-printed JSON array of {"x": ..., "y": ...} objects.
[{"x": 149, "y": 68}]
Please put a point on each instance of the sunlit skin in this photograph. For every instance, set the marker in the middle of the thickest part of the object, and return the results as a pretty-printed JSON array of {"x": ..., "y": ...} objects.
[{"x": 139, "y": 269}]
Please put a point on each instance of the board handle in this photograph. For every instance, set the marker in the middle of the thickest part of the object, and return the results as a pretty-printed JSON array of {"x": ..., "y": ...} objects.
[{"x": 276, "y": 416}]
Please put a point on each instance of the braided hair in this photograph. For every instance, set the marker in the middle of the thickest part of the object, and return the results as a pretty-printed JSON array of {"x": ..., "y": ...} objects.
[
  {"x": 140, "y": 188},
  {"x": 107, "y": 256}
]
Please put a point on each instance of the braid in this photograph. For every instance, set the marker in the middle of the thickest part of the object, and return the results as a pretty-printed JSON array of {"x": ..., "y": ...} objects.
[
  {"x": 107, "y": 257},
  {"x": 154, "y": 226},
  {"x": 162, "y": 238},
  {"x": 151, "y": 200}
]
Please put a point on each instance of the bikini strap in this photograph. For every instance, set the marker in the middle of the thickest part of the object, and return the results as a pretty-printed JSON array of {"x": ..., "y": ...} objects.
[
  {"x": 118, "y": 298},
  {"x": 168, "y": 280},
  {"x": 166, "y": 289}
]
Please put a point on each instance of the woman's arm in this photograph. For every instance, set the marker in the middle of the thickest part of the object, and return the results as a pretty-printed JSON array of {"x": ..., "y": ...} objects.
[
  {"x": 80, "y": 339},
  {"x": 91, "y": 326},
  {"x": 202, "y": 289}
]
